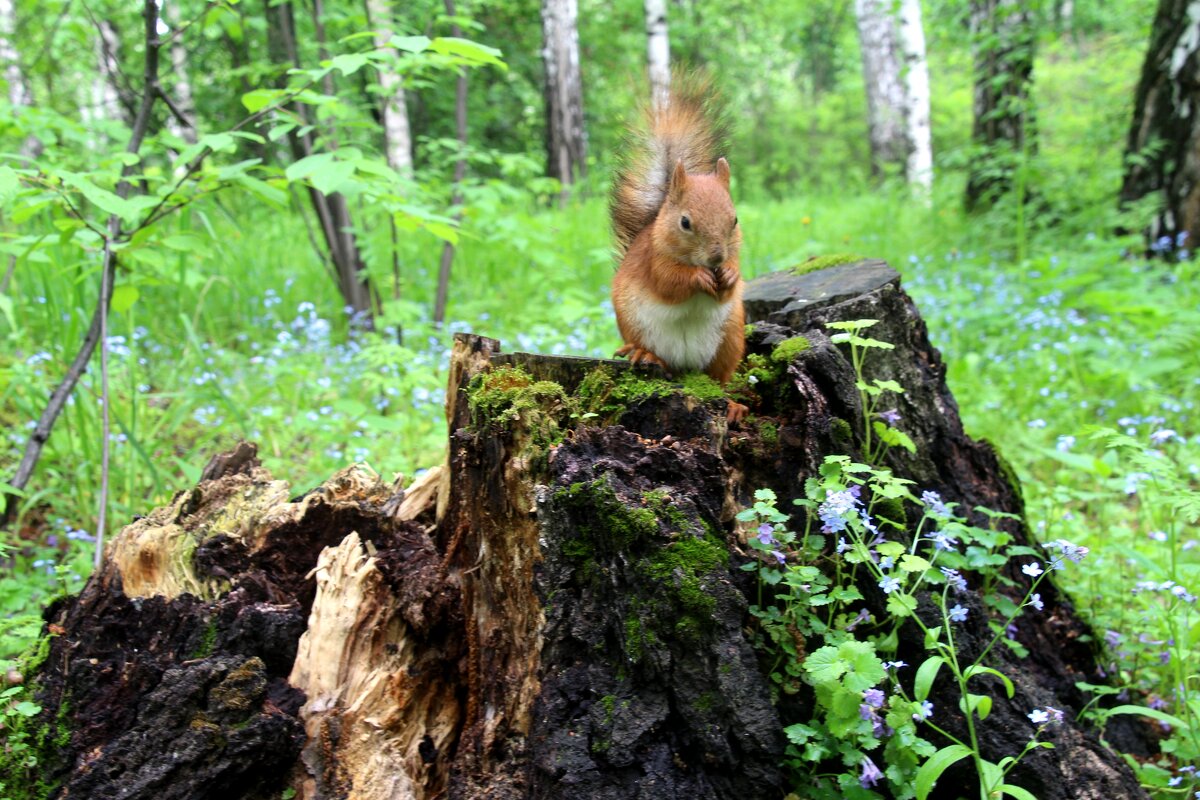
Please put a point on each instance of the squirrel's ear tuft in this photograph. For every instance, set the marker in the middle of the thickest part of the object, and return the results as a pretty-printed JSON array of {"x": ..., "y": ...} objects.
[
  {"x": 723, "y": 171},
  {"x": 678, "y": 182}
]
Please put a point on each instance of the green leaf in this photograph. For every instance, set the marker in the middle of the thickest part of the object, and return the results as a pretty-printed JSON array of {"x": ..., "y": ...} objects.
[
  {"x": 911, "y": 563},
  {"x": 892, "y": 549},
  {"x": 901, "y": 605},
  {"x": 1153, "y": 713},
  {"x": 106, "y": 201},
  {"x": 410, "y": 44},
  {"x": 980, "y": 704},
  {"x": 932, "y": 636},
  {"x": 1016, "y": 791},
  {"x": 467, "y": 50},
  {"x": 10, "y": 184},
  {"x": 124, "y": 297},
  {"x": 825, "y": 666},
  {"x": 349, "y": 63},
  {"x": 259, "y": 99},
  {"x": 981, "y": 670},
  {"x": 938, "y": 763},
  {"x": 27, "y": 709},
  {"x": 6, "y": 308},
  {"x": 926, "y": 673}
]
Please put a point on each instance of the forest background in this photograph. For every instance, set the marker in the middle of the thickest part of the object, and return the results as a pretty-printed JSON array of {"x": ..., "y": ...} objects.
[{"x": 293, "y": 206}]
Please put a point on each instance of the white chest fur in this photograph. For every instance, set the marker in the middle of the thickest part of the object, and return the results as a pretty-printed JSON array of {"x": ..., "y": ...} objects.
[{"x": 685, "y": 335}]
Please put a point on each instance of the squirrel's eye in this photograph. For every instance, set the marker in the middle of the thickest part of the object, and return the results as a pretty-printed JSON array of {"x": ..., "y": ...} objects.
[
  {"x": 685, "y": 223},
  {"x": 735, "y": 222}
]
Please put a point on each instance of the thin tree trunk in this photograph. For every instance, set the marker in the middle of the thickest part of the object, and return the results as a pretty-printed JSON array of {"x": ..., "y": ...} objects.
[
  {"x": 1163, "y": 153},
  {"x": 19, "y": 95},
  {"x": 658, "y": 51},
  {"x": 397, "y": 135},
  {"x": 182, "y": 123},
  {"x": 1002, "y": 35},
  {"x": 332, "y": 211},
  {"x": 916, "y": 84},
  {"x": 566, "y": 138},
  {"x": 460, "y": 172},
  {"x": 886, "y": 106}
]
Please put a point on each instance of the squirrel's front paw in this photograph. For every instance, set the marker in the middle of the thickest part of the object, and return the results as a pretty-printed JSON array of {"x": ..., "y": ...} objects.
[
  {"x": 727, "y": 277},
  {"x": 705, "y": 281}
]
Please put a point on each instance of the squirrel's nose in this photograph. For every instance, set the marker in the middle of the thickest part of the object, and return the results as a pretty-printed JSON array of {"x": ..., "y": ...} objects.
[{"x": 716, "y": 257}]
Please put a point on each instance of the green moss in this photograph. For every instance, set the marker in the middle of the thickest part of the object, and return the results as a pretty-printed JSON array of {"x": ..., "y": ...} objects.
[
  {"x": 843, "y": 434},
  {"x": 702, "y": 387},
  {"x": 768, "y": 432},
  {"x": 609, "y": 704},
  {"x": 207, "y": 641},
  {"x": 503, "y": 395},
  {"x": 606, "y": 525},
  {"x": 681, "y": 567},
  {"x": 637, "y": 638},
  {"x": 705, "y": 702},
  {"x": 788, "y": 349},
  {"x": 817, "y": 263},
  {"x": 607, "y": 395}
]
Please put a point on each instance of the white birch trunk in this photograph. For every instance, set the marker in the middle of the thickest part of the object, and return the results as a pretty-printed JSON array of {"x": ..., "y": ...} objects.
[
  {"x": 396, "y": 133},
  {"x": 658, "y": 52},
  {"x": 916, "y": 84},
  {"x": 886, "y": 102},
  {"x": 183, "y": 99},
  {"x": 566, "y": 139},
  {"x": 19, "y": 95}
]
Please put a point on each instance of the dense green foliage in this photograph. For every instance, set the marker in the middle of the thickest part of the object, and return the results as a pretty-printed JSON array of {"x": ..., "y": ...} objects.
[{"x": 225, "y": 323}]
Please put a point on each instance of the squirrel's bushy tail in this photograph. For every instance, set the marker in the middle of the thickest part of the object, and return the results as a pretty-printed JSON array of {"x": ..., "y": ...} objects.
[{"x": 691, "y": 126}]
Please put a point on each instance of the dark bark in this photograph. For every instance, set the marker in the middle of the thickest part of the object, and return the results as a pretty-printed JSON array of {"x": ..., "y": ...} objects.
[
  {"x": 1003, "y": 132},
  {"x": 536, "y": 632},
  {"x": 566, "y": 137},
  {"x": 1163, "y": 152}
]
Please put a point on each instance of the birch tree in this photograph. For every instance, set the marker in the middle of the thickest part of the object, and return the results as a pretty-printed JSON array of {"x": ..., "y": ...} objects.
[
  {"x": 919, "y": 168},
  {"x": 1002, "y": 37},
  {"x": 1163, "y": 151},
  {"x": 886, "y": 99},
  {"x": 658, "y": 51},
  {"x": 397, "y": 136},
  {"x": 566, "y": 139}
]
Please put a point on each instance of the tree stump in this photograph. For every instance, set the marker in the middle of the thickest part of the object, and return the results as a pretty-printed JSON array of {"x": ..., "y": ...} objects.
[{"x": 555, "y": 612}]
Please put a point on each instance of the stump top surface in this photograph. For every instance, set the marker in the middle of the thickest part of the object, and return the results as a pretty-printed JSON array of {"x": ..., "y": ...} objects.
[{"x": 824, "y": 287}]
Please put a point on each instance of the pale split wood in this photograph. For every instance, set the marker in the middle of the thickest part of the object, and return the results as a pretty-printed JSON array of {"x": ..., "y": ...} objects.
[{"x": 354, "y": 665}]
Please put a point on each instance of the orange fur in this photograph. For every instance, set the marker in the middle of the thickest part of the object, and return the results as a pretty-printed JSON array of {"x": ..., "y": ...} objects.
[{"x": 678, "y": 232}]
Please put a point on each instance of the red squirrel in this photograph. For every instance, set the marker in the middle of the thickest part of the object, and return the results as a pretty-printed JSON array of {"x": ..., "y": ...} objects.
[{"x": 678, "y": 290}]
